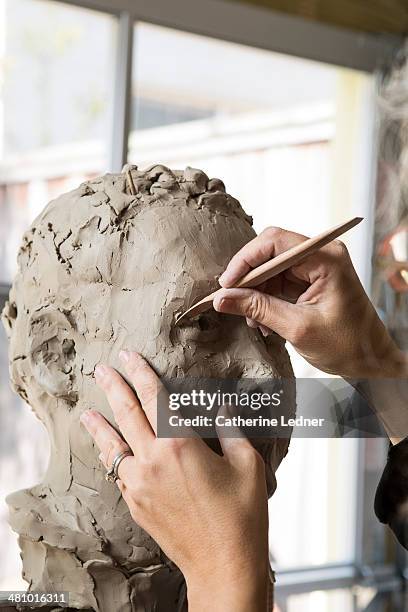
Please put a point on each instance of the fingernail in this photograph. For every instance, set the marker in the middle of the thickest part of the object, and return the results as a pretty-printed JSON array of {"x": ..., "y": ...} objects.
[
  {"x": 225, "y": 305},
  {"x": 219, "y": 303},
  {"x": 219, "y": 299},
  {"x": 225, "y": 279},
  {"x": 124, "y": 356},
  {"x": 100, "y": 372}
]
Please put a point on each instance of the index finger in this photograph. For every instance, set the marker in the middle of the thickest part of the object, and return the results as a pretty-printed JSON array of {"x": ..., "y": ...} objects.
[
  {"x": 146, "y": 383},
  {"x": 271, "y": 242},
  {"x": 125, "y": 406},
  {"x": 149, "y": 387}
]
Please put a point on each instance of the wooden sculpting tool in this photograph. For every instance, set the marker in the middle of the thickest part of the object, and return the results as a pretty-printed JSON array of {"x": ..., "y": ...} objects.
[{"x": 276, "y": 265}]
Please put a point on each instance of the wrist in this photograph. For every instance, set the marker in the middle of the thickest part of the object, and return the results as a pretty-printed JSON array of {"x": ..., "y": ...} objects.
[
  {"x": 387, "y": 393},
  {"x": 236, "y": 587},
  {"x": 393, "y": 364},
  {"x": 389, "y": 363}
]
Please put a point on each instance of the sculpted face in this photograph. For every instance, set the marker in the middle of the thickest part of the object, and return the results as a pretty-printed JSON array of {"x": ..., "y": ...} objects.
[{"x": 101, "y": 270}]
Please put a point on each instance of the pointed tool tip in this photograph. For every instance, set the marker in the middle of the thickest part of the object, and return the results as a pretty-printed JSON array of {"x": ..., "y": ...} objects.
[{"x": 179, "y": 317}]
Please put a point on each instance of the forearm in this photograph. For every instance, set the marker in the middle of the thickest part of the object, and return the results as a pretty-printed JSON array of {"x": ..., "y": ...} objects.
[{"x": 387, "y": 395}]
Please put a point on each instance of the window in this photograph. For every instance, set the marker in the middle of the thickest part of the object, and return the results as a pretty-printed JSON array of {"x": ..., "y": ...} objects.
[{"x": 289, "y": 138}]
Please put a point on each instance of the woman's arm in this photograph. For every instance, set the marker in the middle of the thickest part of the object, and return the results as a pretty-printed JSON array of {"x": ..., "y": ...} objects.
[{"x": 321, "y": 308}]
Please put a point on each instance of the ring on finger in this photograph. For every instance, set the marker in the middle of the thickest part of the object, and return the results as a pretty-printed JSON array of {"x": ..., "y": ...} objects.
[{"x": 112, "y": 474}]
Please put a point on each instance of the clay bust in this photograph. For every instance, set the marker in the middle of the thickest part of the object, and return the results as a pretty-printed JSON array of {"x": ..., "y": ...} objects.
[{"x": 105, "y": 267}]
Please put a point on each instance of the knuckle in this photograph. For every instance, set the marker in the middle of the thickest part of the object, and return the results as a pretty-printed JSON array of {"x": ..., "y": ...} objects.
[
  {"x": 252, "y": 459},
  {"x": 127, "y": 406},
  {"x": 298, "y": 334},
  {"x": 176, "y": 445},
  {"x": 271, "y": 231},
  {"x": 339, "y": 249},
  {"x": 256, "y": 307},
  {"x": 115, "y": 447},
  {"x": 147, "y": 391},
  {"x": 148, "y": 467}
]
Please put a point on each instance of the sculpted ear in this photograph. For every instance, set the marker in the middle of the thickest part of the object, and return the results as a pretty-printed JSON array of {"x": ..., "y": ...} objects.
[
  {"x": 8, "y": 316},
  {"x": 52, "y": 353}
]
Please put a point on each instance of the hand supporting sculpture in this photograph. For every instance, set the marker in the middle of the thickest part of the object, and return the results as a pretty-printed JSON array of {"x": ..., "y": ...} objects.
[{"x": 207, "y": 512}]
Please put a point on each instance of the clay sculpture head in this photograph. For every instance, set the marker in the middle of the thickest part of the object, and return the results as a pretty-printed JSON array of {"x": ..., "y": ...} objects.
[{"x": 103, "y": 269}]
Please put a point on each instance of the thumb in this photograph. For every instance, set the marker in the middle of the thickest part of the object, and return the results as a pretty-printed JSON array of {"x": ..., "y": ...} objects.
[
  {"x": 232, "y": 439},
  {"x": 266, "y": 309}
]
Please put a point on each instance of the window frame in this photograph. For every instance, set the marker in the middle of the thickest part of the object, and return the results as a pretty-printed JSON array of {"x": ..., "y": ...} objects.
[
  {"x": 262, "y": 28},
  {"x": 233, "y": 22}
]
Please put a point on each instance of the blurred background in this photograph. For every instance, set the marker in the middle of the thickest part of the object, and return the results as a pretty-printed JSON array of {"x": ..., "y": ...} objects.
[{"x": 303, "y": 116}]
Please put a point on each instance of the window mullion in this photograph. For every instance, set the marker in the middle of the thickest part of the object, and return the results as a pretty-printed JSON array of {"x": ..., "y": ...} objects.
[{"x": 122, "y": 90}]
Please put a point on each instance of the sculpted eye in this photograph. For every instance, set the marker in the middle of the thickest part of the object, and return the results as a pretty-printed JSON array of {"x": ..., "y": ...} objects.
[{"x": 204, "y": 328}]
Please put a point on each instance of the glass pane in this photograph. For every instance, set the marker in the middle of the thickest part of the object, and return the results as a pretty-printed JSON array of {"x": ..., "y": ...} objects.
[
  {"x": 250, "y": 117},
  {"x": 322, "y": 601},
  {"x": 312, "y": 513},
  {"x": 23, "y": 459},
  {"x": 357, "y": 599},
  {"x": 56, "y": 74},
  {"x": 284, "y": 134},
  {"x": 56, "y": 64}
]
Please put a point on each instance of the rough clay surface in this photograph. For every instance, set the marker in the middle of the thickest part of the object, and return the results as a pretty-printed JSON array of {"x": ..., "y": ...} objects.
[{"x": 100, "y": 270}]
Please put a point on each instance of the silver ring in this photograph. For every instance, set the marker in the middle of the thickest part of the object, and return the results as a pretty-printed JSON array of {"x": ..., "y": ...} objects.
[{"x": 112, "y": 474}]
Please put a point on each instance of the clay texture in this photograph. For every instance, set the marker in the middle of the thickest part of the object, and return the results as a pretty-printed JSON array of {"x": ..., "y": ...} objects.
[{"x": 100, "y": 270}]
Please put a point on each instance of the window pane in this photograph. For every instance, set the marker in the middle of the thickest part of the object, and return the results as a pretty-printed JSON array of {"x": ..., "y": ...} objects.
[
  {"x": 54, "y": 108},
  {"x": 283, "y": 133},
  {"x": 23, "y": 459},
  {"x": 347, "y": 600},
  {"x": 312, "y": 513},
  {"x": 322, "y": 601}
]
